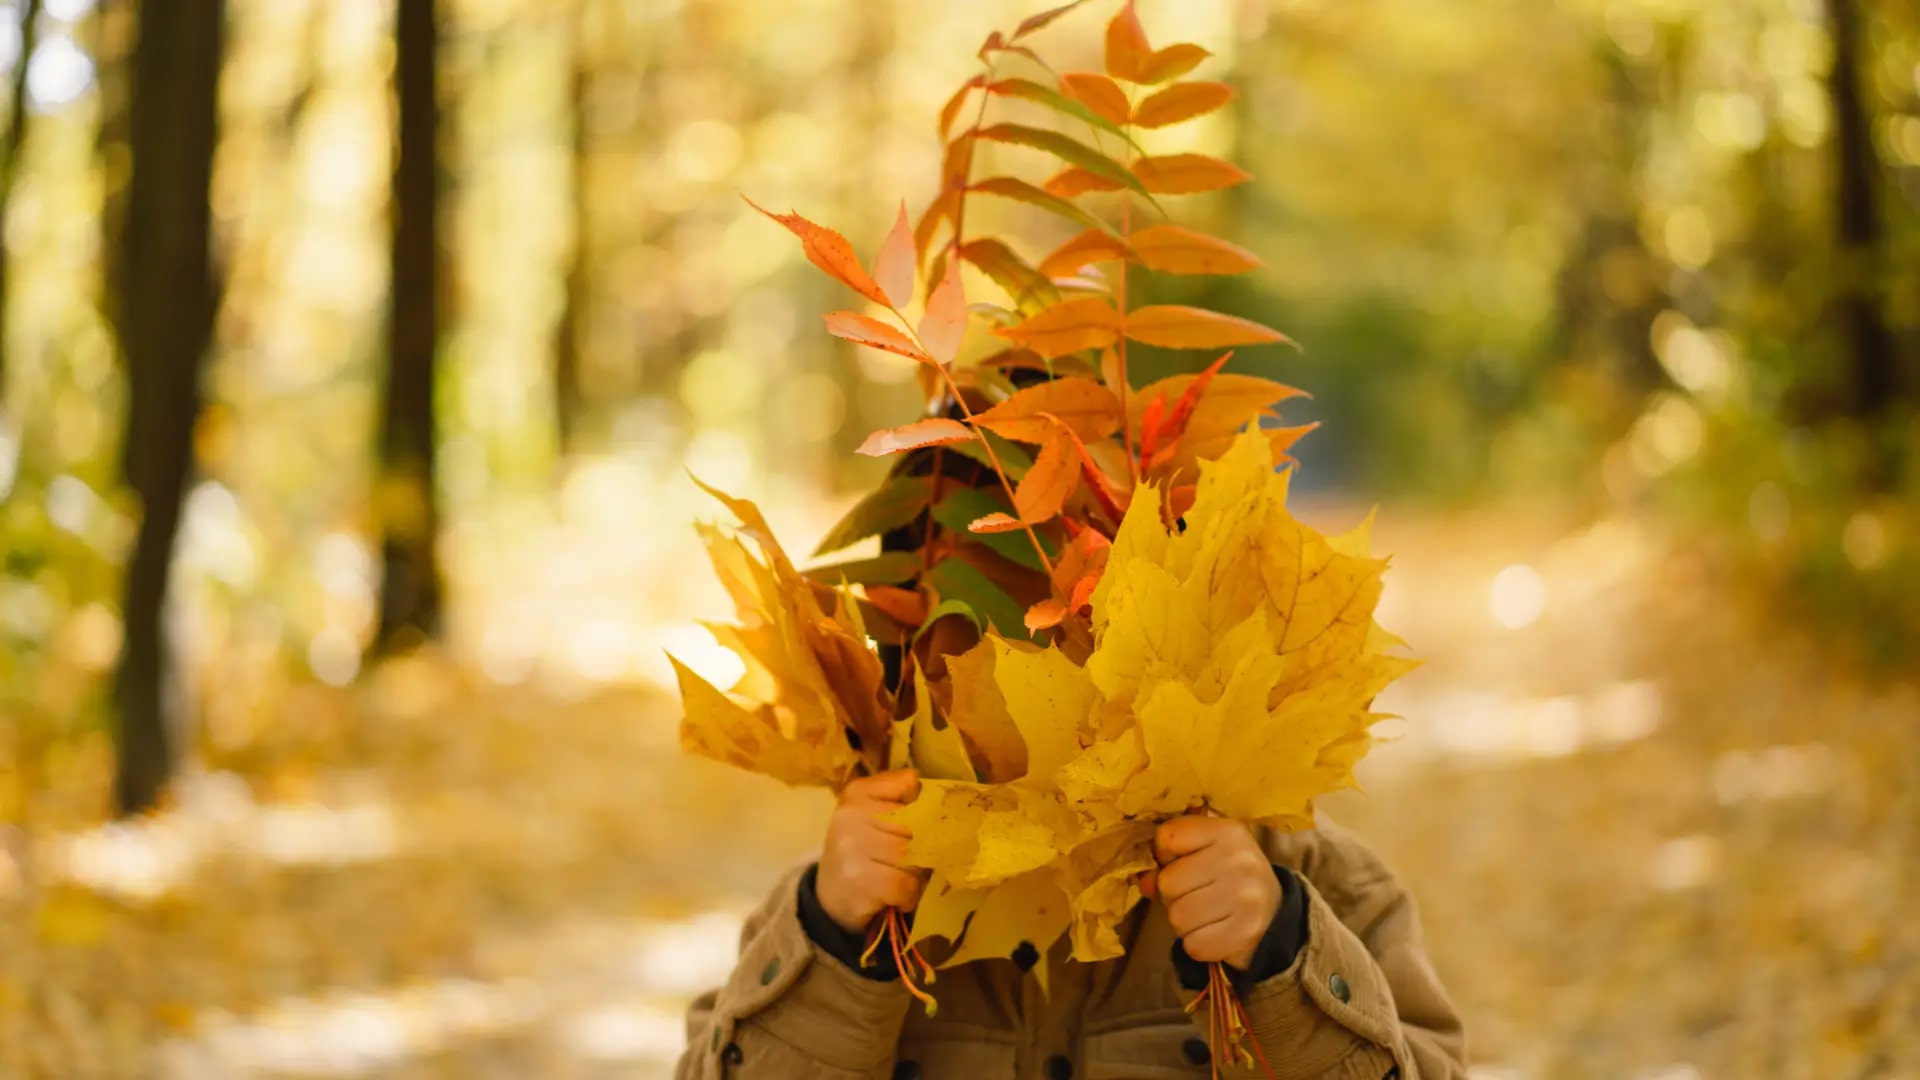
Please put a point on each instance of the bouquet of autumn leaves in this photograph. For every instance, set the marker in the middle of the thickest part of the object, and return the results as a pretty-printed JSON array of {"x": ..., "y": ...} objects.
[{"x": 1092, "y": 610}]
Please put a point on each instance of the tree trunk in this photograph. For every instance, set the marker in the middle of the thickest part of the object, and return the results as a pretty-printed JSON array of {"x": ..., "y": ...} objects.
[
  {"x": 112, "y": 29},
  {"x": 10, "y": 165},
  {"x": 168, "y": 298},
  {"x": 1858, "y": 233},
  {"x": 570, "y": 335},
  {"x": 410, "y": 588}
]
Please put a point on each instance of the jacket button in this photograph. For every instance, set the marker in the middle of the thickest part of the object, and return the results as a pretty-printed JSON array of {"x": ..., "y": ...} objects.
[
  {"x": 770, "y": 972},
  {"x": 1059, "y": 1068},
  {"x": 1025, "y": 956},
  {"x": 732, "y": 1055},
  {"x": 1337, "y": 983},
  {"x": 906, "y": 1070},
  {"x": 1195, "y": 1050}
]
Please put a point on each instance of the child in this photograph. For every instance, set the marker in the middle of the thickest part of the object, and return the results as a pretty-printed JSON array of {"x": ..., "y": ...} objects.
[{"x": 1323, "y": 941}]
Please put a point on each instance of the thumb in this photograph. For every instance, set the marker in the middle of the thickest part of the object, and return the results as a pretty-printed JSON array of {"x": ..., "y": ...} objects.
[
  {"x": 1150, "y": 884},
  {"x": 897, "y": 785}
]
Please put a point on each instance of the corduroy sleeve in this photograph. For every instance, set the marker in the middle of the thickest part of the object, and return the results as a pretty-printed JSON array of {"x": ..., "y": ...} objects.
[{"x": 791, "y": 1010}]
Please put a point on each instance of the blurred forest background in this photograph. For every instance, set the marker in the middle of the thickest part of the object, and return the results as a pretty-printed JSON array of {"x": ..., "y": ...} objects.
[{"x": 353, "y": 355}]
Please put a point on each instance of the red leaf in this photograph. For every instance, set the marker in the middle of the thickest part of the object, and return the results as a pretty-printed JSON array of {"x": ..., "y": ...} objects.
[
  {"x": 829, "y": 251},
  {"x": 873, "y": 333},
  {"x": 928, "y": 432}
]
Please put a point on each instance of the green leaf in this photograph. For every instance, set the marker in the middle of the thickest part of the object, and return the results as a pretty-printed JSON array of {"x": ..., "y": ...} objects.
[
  {"x": 963, "y": 507},
  {"x": 888, "y": 507},
  {"x": 1070, "y": 150},
  {"x": 948, "y": 607},
  {"x": 953, "y": 579},
  {"x": 1030, "y": 289},
  {"x": 1008, "y": 187},
  {"x": 889, "y": 568},
  {"x": 1013, "y": 458},
  {"x": 1039, "y": 93}
]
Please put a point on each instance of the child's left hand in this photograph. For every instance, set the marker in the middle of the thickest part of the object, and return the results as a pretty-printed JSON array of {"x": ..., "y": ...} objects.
[{"x": 1221, "y": 892}]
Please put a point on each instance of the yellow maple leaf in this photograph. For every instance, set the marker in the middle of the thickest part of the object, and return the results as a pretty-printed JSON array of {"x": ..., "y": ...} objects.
[
  {"x": 810, "y": 707},
  {"x": 1233, "y": 669}
]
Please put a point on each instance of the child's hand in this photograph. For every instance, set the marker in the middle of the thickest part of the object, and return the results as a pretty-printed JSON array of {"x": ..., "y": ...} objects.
[
  {"x": 863, "y": 867},
  {"x": 1221, "y": 892}
]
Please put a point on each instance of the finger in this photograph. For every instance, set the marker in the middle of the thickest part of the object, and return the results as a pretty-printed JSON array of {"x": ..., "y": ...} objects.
[
  {"x": 887, "y": 849},
  {"x": 878, "y": 816},
  {"x": 1211, "y": 943},
  {"x": 897, "y": 786},
  {"x": 1185, "y": 835},
  {"x": 1186, "y": 874},
  {"x": 1150, "y": 884},
  {"x": 1198, "y": 910},
  {"x": 893, "y": 886}
]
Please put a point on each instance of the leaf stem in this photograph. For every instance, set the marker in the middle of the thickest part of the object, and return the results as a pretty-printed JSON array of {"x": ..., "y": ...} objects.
[
  {"x": 980, "y": 433},
  {"x": 1120, "y": 300}
]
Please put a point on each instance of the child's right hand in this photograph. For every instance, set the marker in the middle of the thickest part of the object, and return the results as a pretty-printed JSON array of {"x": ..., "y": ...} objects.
[{"x": 863, "y": 866}]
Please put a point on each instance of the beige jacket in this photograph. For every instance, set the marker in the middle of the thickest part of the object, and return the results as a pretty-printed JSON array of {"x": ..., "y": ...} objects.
[{"x": 1360, "y": 1002}]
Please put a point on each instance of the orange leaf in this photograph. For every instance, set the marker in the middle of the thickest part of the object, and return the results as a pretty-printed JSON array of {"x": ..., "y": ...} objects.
[
  {"x": 1081, "y": 598},
  {"x": 1083, "y": 406},
  {"x": 1097, "y": 92},
  {"x": 829, "y": 251},
  {"x": 1169, "y": 63},
  {"x": 894, "y": 268},
  {"x": 1035, "y": 22},
  {"x": 904, "y": 606},
  {"x": 1045, "y": 615},
  {"x": 928, "y": 432},
  {"x": 1187, "y": 174},
  {"x": 1074, "y": 181},
  {"x": 1127, "y": 45},
  {"x": 1088, "y": 247},
  {"x": 945, "y": 321},
  {"x": 873, "y": 333},
  {"x": 1283, "y": 438},
  {"x": 996, "y": 522},
  {"x": 1054, "y": 475},
  {"x": 1176, "y": 326},
  {"x": 952, "y": 108},
  {"x": 1174, "y": 250},
  {"x": 1084, "y": 323},
  {"x": 1181, "y": 101},
  {"x": 941, "y": 209}
]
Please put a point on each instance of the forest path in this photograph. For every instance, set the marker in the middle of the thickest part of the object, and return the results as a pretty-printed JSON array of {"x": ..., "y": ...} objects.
[{"x": 1652, "y": 832}]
